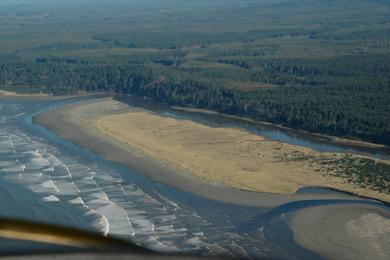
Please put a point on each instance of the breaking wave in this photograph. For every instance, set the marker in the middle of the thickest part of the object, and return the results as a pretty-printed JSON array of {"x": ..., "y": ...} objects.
[{"x": 55, "y": 186}]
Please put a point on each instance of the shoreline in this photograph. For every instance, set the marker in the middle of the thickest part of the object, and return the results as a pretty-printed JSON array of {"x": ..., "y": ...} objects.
[
  {"x": 7, "y": 93},
  {"x": 353, "y": 212},
  {"x": 330, "y": 138},
  {"x": 333, "y": 139},
  {"x": 40, "y": 96},
  {"x": 60, "y": 121}
]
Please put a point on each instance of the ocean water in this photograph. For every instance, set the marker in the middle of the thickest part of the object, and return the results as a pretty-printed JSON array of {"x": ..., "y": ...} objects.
[
  {"x": 48, "y": 179},
  {"x": 44, "y": 178}
]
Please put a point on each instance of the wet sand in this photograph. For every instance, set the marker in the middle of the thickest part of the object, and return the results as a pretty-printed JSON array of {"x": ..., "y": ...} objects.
[
  {"x": 73, "y": 122},
  {"x": 347, "y": 231},
  {"x": 342, "y": 231}
]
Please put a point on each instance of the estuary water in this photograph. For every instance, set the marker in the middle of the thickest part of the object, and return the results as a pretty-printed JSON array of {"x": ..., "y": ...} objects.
[
  {"x": 45, "y": 178},
  {"x": 291, "y": 136}
]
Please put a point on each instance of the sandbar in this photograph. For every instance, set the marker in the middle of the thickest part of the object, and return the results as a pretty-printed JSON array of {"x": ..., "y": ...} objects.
[
  {"x": 348, "y": 231},
  {"x": 225, "y": 164}
]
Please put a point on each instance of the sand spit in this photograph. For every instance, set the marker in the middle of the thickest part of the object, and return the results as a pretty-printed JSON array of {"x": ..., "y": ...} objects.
[
  {"x": 344, "y": 231},
  {"x": 220, "y": 163},
  {"x": 229, "y": 156}
]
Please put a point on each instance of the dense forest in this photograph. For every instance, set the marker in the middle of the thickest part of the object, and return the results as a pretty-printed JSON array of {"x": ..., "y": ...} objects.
[
  {"x": 319, "y": 66},
  {"x": 341, "y": 106}
]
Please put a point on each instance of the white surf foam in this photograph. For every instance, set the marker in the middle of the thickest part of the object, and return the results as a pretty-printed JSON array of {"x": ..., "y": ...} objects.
[
  {"x": 37, "y": 163},
  {"x": 77, "y": 200},
  {"x": 102, "y": 223},
  {"x": 117, "y": 217},
  {"x": 166, "y": 246},
  {"x": 50, "y": 198},
  {"x": 15, "y": 168},
  {"x": 65, "y": 186},
  {"x": 47, "y": 186}
]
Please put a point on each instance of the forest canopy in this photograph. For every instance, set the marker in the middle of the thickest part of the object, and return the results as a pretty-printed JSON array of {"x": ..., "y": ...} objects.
[{"x": 319, "y": 66}]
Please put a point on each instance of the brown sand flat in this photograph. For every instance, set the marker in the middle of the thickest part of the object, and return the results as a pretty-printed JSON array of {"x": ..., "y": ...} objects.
[
  {"x": 5, "y": 93},
  {"x": 344, "y": 231},
  {"x": 74, "y": 122},
  {"x": 232, "y": 157}
]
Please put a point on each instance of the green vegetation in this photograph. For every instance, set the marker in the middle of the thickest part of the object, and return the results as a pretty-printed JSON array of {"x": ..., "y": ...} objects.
[
  {"x": 321, "y": 66},
  {"x": 363, "y": 172}
]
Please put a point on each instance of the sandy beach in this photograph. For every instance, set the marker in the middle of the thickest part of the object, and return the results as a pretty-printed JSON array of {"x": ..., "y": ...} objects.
[
  {"x": 232, "y": 157},
  {"x": 344, "y": 231},
  {"x": 73, "y": 122},
  {"x": 224, "y": 157},
  {"x": 5, "y": 93},
  {"x": 229, "y": 165}
]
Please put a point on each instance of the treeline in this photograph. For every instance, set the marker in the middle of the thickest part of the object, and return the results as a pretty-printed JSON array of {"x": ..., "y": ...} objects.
[
  {"x": 61, "y": 76},
  {"x": 361, "y": 112},
  {"x": 341, "y": 107},
  {"x": 317, "y": 71}
]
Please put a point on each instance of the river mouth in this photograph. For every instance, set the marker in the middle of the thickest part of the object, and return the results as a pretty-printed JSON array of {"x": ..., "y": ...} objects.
[{"x": 64, "y": 177}]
